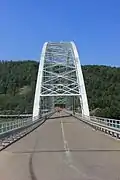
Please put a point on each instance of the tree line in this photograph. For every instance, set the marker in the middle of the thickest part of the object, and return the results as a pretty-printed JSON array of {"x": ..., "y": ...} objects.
[{"x": 18, "y": 79}]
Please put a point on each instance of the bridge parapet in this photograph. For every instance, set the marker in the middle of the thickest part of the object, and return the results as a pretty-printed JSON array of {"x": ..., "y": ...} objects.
[{"x": 107, "y": 125}]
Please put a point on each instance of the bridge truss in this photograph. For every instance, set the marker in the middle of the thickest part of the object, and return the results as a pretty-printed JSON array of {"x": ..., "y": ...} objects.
[{"x": 60, "y": 80}]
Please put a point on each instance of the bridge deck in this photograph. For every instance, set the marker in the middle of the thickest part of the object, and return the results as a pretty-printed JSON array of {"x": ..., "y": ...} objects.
[{"x": 62, "y": 149}]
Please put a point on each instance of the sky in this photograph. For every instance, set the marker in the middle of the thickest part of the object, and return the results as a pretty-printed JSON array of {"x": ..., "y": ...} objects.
[{"x": 94, "y": 25}]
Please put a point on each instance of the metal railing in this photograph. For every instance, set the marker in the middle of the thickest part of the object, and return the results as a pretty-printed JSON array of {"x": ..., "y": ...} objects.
[
  {"x": 107, "y": 122},
  {"x": 107, "y": 125},
  {"x": 14, "y": 115},
  {"x": 13, "y": 129},
  {"x": 9, "y": 124}
]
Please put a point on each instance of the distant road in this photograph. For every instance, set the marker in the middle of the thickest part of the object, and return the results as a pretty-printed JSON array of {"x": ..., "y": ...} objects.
[{"x": 62, "y": 149}]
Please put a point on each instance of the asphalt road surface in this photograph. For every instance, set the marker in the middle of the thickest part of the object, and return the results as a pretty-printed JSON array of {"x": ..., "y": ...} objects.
[{"x": 62, "y": 149}]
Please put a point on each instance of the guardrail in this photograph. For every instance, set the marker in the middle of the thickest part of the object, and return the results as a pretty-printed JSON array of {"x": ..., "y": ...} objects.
[
  {"x": 107, "y": 125},
  {"x": 115, "y": 123},
  {"x": 14, "y": 115},
  {"x": 15, "y": 130},
  {"x": 10, "y": 123}
]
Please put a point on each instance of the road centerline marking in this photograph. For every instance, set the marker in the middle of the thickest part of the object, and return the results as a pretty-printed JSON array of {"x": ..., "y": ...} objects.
[{"x": 69, "y": 157}]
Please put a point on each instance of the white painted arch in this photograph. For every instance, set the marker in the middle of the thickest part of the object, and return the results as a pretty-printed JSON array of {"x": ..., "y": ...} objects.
[{"x": 80, "y": 80}]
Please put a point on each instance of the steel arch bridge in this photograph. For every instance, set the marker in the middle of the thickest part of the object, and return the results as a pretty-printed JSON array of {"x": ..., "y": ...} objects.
[
  {"x": 60, "y": 79},
  {"x": 63, "y": 148}
]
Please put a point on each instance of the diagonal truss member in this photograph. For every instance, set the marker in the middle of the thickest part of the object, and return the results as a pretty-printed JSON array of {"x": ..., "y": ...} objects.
[{"x": 59, "y": 78}]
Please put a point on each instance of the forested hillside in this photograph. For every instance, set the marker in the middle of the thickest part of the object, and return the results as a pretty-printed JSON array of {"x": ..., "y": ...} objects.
[
  {"x": 103, "y": 89},
  {"x": 17, "y": 85}
]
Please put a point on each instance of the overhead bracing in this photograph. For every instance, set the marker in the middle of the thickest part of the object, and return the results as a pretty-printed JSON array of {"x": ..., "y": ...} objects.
[{"x": 59, "y": 76}]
